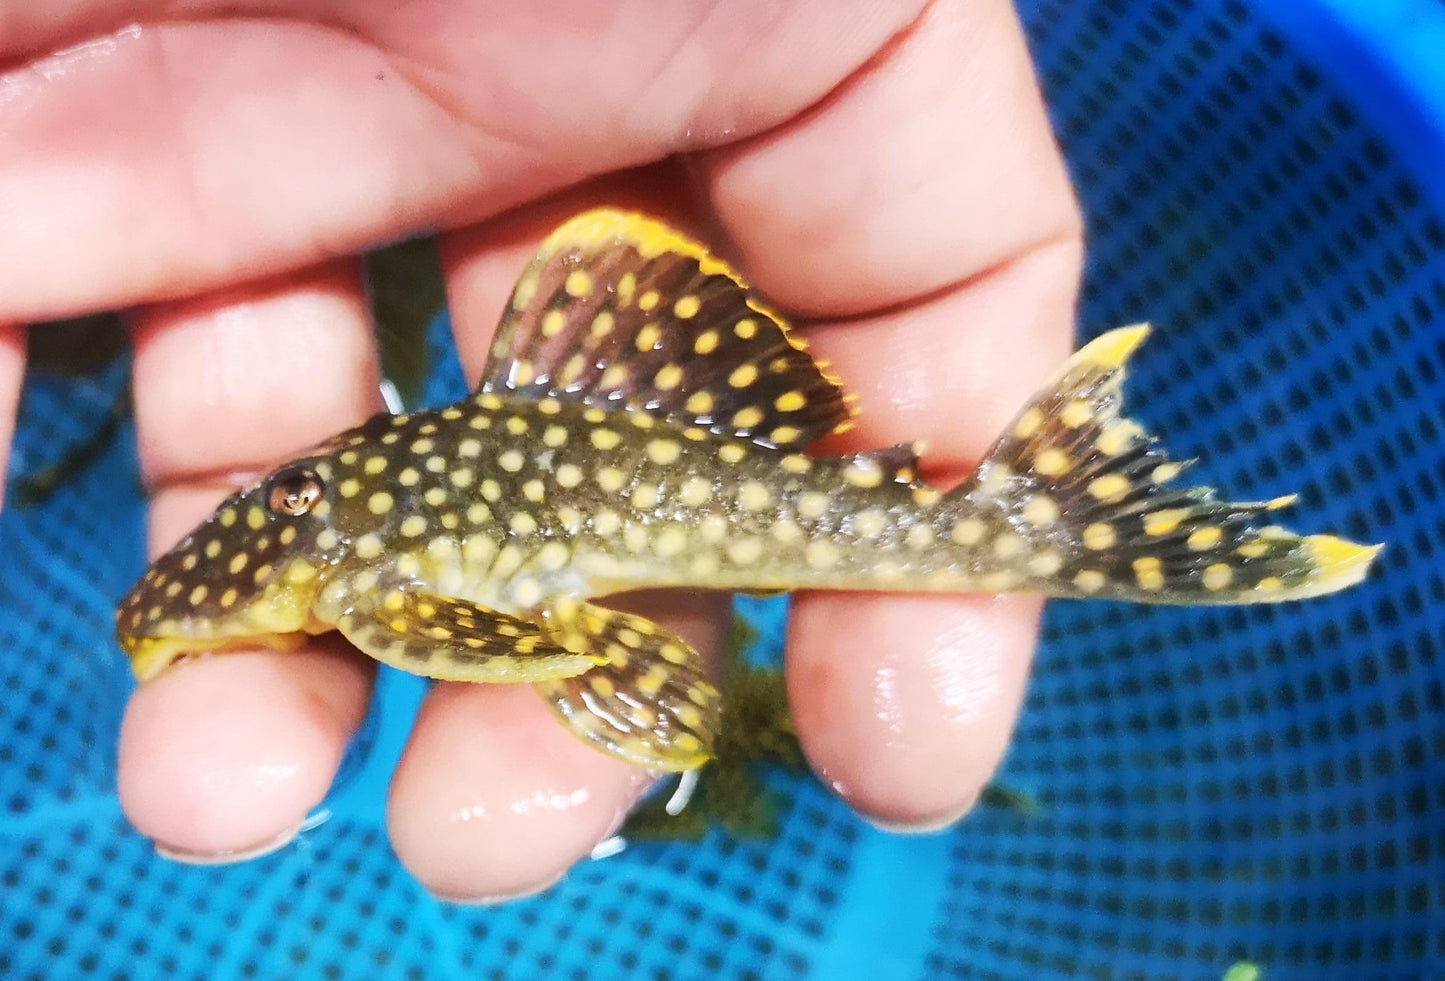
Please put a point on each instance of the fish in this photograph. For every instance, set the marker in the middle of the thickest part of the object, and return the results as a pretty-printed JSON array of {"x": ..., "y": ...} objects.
[{"x": 643, "y": 422}]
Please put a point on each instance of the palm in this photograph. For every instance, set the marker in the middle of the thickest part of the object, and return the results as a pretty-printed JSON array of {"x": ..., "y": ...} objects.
[{"x": 219, "y": 169}]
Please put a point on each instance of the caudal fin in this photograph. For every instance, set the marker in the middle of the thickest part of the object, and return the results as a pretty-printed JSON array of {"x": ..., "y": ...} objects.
[{"x": 1088, "y": 488}]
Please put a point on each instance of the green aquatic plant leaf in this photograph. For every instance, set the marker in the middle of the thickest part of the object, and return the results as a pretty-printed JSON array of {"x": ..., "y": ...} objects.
[{"x": 407, "y": 293}]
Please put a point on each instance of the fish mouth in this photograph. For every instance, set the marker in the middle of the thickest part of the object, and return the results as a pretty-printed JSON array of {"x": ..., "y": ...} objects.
[{"x": 149, "y": 656}]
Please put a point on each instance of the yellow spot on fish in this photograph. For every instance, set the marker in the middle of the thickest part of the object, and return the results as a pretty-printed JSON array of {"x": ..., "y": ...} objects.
[
  {"x": 462, "y": 477},
  {"x": 1117, "y": 437},
  {"x": 671, "y": 541},
  {"x": 578, "y": 283},
  {"x": 516, "y": 425},
  {"x": 606, "y": 522},
  {"x": 694, "y": 491},
  {"x": 610, "y": 479},
  {"x": 687, "y": 307},
  {"x": 605, "y": 439},
  {"x": 533, "y": 491},
  {"x": 228, "y": 598},
  {"x": 603, "y": 323},
  {"x": 1217, "y": 576},
  {"x": 552, "y": 323},
  {"x": 212, "y": 549},
  {"x": 374, "y": 464},
  {"x": 527, "y": 592},
  {"x": 511, "y": 460},
  {"x": 920, "y": 536},
  {"x": 1041, "y": 510},
  {"x": 1007, "y": 545},
  {"x": 968, "y": 531},
  {"x": 821, "y": 554},
  {"x": 748, "y": 417},
  {"x": 1164, "y": 522},
  {"x": 786, "y": 531},
  {"x": 784, "y": 435},
  {"x": 625, "y": 288},
  {"x": 523, "y": 523},
  {"x": 1076, "y": 413},
  {"x": 812, "y": 504},
  {"x": 197, "y": 595},
  {"x": 478, "y": 512},
  {"x": 700, "y": 403},
  {"x": 754, "y": 496},
  {"x": 1028, "y": 424},
  {"x": 743, "y": 376},
  {"x": 794, "y": 462},
  {"x": 1109, "y": 488},
  {"x": 409, "y": 477},
  {"x": 1253, "y": 550},
  {"x": 706, "y": 342},
  {"x": 569, "y": 475},
  {"x": 645, "y": 496},
  {"x": 238, "y": 562},
  {"x": 1149, "y": 573},
  {"x": 327, "y": 539},
  {"x": 1099, "y": 536},
  {"x": 860, "y": 475},
  {"x": 255, "y": 518},
  {"x": 1165, "y": 472},
  {"x": 1046, "y": 563},
  {"x": 870, "y": 523},
  {"x": 648, "y": 300},
  {"x": 790, "y": 401},
  {"x": 228, "y": 517},
  {"x": 422, "y": 446},
  {"x": 348, "y": 488},
  {"x": 635, "y": 538},
  {"x": 745, "y": 550},
  {"x": 436, "y": 464},
  {"x": 1205, "y": 538},
  {"x": 746, "y": 328},
  {"x": 1090, "y": 580},
  {"x": 1051, "y": 462},
  {"x": 380, "y": 502},
  {"x": 731, "y": 453},
  {"x": 668, "y": 377},
  {"x": 647, "y": 337},
  {"x": 713, "y": 528},
  {"x": 614, "y": 376},
  {"x": 368, "y": 546},
  {"x": 1270, "y": 583},
  {"x": 435, "y": 496},
  {"x": 664, "y": 451}
]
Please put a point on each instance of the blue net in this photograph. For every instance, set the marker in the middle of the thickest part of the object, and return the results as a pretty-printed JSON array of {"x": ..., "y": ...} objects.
[{"x": 1207, "y": 786}]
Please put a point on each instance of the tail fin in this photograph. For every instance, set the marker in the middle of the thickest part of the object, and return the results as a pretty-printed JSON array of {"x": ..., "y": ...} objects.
[{"x": 1087, "y": 487}]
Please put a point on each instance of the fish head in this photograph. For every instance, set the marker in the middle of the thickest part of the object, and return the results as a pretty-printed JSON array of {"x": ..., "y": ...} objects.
[{"x": 248, "y": 575}]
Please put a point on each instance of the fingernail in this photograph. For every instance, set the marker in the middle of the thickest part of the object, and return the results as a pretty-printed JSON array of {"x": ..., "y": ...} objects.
[
  {"x": 919, "y": 826},
  {"x": 497, "y": 899},
  {"x": 187, "y": 857}
]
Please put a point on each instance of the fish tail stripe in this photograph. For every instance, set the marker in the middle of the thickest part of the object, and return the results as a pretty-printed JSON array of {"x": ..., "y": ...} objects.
[{"x": 1123, "y": 530}]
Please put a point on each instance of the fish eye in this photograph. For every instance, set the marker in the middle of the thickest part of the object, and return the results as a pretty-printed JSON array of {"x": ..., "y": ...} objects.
[{"x": 294, "y": 491}]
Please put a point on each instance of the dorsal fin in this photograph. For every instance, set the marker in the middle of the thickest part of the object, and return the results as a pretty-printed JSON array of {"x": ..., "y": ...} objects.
[{"x": 617, "y": 310}]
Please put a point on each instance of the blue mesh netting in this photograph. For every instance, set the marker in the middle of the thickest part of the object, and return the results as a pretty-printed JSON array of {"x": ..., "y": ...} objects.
[{"x": 1210, "y": 785}]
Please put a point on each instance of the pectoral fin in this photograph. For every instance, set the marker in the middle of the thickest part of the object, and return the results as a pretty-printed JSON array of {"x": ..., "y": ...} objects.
[
  {"x": 453, "y": 640},
  {"x": 649, "y": 703}
]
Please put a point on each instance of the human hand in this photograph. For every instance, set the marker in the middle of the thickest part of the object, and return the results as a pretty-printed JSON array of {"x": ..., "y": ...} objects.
[{"x": 886, "y": 175}]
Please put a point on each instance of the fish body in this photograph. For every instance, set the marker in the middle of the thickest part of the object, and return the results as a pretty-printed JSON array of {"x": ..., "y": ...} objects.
[{"x": 642, "y": 423}]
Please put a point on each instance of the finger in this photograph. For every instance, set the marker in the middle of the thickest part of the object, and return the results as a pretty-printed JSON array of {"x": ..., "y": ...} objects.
[
  {"x": 961, "y": 220},
  {"x": 226, "y": 755},
  {"x": 526, "y": 799},
  {"x": 254, "y": 144},
  {"x": 494, "y": 799},
  {"x": 12, "y": 368}
]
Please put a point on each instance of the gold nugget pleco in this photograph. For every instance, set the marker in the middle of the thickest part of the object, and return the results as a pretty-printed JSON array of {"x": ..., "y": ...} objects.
[{"x": 641, "y": 423}]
